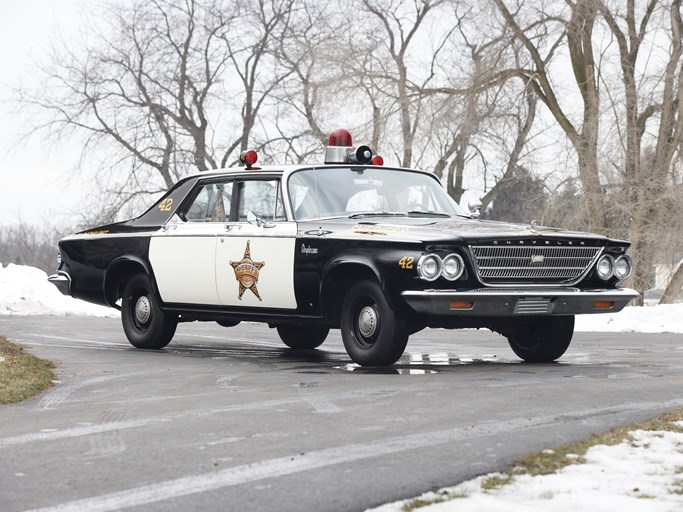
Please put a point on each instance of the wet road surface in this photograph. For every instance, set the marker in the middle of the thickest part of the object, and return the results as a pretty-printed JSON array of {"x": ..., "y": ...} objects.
[{"x": 230, "y": 419}]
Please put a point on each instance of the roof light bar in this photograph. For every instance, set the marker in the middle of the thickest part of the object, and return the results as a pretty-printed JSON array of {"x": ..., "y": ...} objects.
[{"x": 341, "y": 151}]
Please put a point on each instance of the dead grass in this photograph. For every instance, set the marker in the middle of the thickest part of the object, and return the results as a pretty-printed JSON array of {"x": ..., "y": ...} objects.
[
  {"x": 22, "y": 375},
  {"x": 552, "y": 460},
  {"x": 441, "y": 497}
]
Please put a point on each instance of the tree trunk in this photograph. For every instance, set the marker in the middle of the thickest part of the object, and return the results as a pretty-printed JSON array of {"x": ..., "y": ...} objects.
[{"x": 673, "y": 289}]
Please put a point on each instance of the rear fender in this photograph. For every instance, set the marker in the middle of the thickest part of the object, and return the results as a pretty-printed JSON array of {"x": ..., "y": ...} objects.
[{"x": 119, "y": 272}]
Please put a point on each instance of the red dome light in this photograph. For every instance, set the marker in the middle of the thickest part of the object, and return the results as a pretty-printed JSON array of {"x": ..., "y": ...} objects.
[
  {"x": 249, "y": 157},
  {"x": 378, "y": 160},
  {"x": 340, "y": 137}
]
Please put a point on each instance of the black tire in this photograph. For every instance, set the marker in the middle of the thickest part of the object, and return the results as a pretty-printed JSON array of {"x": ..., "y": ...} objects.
[
  {"x": 372, "y": 332},
  {"x": 542, "y": 340},
  {"x": 302, "y": 337},
  {"x": 227, "y": 323},
  {"x": 145, "y": 324}
]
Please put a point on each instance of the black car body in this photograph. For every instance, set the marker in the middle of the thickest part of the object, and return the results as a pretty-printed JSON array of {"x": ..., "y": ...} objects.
[{"x": 378, "y": 252}]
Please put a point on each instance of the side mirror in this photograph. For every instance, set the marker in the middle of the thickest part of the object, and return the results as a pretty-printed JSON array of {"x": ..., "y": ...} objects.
[
  {"x": 253, "y": 219},
  {"x": 474, "y": 206}
]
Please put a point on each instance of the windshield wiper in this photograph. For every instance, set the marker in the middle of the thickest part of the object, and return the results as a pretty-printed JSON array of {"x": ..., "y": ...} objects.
[
  {"x": 377, "y": 214},
  {"x": 428, "y": 213}
]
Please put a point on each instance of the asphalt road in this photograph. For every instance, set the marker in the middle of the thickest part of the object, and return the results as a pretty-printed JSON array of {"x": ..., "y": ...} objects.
[{"x": 229, "y": 419}]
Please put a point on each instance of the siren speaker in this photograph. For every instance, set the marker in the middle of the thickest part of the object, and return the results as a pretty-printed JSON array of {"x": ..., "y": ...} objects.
[{"x": 361, "y": 155}]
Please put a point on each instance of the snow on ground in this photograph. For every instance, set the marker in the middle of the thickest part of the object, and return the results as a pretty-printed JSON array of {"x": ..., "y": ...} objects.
[
  {"x": 643, "y": 475},
  {"x": 662, "y": 318},
  {"x": 25, "y": 291}
]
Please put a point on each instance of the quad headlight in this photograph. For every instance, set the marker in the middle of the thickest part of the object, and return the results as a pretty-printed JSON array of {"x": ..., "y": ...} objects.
[
  {"x": 430, "y": 267},
  {"x": 452, "y": 267},
  {"x": 623, "y": 266},
  {"x": 605, "y": 267},
  {"x": 608, "y": 267}
]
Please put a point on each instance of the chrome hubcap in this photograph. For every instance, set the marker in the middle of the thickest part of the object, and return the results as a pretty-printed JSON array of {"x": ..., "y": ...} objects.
[
  {"x": 367, "y": 321},
  {"x": 143, "y": 309}
]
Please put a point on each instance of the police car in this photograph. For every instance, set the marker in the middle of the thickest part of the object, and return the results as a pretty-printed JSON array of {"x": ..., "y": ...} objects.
[{"x": 351, "y": 244}]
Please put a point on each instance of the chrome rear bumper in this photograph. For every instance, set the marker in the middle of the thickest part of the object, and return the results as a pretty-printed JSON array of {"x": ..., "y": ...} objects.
[
  {"x": 518, "y": 301},
  {"x": 62, "y": 281}
]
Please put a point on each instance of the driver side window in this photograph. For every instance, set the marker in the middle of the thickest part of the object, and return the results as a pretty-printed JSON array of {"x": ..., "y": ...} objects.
[
  {"x": 261, "y": 197},
  {"x": 211, "y": 204}
]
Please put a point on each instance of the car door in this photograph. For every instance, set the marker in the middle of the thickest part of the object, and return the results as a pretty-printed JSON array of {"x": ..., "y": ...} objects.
[
  {"x": 183, "y": 253},
  {"x": 254, "y": 263}
]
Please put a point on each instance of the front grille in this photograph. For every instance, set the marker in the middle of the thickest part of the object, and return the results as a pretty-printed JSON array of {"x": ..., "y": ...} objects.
[
  {"x": 537, "y": 265},
  {"x": 522, "y": 291}
]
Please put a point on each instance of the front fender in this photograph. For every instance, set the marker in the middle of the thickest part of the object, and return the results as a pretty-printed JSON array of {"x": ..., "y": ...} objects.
[{"x": 340, "y": 272}]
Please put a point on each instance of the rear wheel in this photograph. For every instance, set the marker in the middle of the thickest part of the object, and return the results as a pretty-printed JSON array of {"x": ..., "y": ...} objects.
[
  {"x": 372, "y": 332},
  {"x": 542, "y": 340},
  {"x": 146, "y": 325},
  {"x": 302, "y": 337}
]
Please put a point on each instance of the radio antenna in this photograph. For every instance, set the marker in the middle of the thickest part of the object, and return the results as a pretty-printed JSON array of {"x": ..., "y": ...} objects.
[{"x": 317, "y": 200}]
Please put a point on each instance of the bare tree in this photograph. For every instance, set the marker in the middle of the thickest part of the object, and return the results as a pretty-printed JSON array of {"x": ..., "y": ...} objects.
[
  {"x": 398, "y": 27},
  {"x": 646, "y": 171},
  {"x": 150, "y": 87},
  {"x": 246, "y": 51},
  {"x": 524, "y": 122},
  {"x": 310, "y": 53},
  {"x": 34, "y": 245},
  {"x": 577, "y": 27},
  {"x": 483, "y": 102}
]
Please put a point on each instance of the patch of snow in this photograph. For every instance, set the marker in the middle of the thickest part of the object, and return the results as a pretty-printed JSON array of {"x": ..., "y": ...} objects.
[
  {"x": 25, "y": 290},
  {"x": 2, "y": 359},
  {"x": 661, "y": 318},
  {"x": 628, "y": 477}
]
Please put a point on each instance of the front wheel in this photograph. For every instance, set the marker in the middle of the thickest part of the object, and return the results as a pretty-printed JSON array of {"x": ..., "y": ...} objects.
[
  {"x": 372, "y": 332},
  {"x": 146, "y": 325},
  {"x": 302, "y": 337},
  {"x": 542, "y": 340}
]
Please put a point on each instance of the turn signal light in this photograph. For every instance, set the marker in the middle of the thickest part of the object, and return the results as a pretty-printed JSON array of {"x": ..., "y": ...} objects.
[
  {"x": 461, "y": 305},
  {"x": 603, "y": 304}
]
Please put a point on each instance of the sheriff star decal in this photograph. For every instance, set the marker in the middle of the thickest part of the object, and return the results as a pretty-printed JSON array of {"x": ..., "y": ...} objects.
[{"x": 247, "y": 272}]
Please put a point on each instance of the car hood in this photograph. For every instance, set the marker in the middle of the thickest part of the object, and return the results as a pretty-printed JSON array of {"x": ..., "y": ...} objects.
[{"x": 452, "y": 230}]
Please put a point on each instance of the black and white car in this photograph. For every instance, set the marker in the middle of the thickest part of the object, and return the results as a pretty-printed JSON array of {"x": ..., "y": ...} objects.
[{"x": 377, "y": 252}]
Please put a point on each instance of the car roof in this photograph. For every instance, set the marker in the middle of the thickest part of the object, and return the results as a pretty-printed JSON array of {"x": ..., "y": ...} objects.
[{"x": 285, "y": 170}]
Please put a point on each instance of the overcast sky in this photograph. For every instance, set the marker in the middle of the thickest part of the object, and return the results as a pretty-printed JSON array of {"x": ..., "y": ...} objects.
[{"x": 35, "y": 180}]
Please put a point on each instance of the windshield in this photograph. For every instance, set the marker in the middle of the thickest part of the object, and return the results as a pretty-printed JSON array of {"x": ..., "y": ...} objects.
[{"x": 357, "y": 192}]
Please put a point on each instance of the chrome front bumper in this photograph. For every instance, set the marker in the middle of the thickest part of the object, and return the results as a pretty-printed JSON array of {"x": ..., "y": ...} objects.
[
  {"x": 518, "y": 301},
  {"x": 62, "y": 281}
]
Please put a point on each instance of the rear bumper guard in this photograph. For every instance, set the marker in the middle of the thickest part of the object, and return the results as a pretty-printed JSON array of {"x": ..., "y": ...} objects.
[
  {"x": 62, "y": 281},
  {"x": 518, "y": 301}
]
